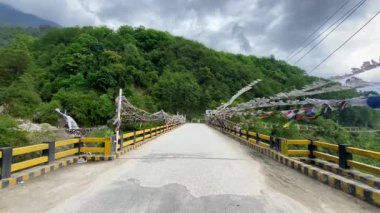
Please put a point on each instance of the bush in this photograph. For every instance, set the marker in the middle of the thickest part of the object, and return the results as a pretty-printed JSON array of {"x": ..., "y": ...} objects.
[
  {"x": 45, "y": 113},
  {"x": 10, "y": 135}
]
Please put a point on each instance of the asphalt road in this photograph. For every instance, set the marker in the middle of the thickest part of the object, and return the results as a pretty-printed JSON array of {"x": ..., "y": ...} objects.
[{"x": 191, "y": 169}]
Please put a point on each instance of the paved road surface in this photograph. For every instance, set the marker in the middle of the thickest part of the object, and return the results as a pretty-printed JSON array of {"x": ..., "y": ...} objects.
[{"x": 191, "y": 169}]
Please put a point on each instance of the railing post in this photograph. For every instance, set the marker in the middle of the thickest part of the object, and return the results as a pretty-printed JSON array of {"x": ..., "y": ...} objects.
[
  {"x": 113, "y": 144},
  {"x": 284, "y": 147},
  {"x": 247, "y": 132},
  {"x": 240, "y": 133},
  {"x": 271, "y": 142},
  {"x": 121, "y": 140},
  {"x": 150, "y": 132},
  {"x": 50, "y": 152},
  {"x": 277, "y": 144},
  {"x": 108, "y": 146},
  {"x": 143, "y": 134},
  {"x": 257, "y": 138},
  {"x": 311, "y": 147},
  {"x": 78, "y": 145},
  {"x": 6, "y": 162},
  {"x": 134, "y": 137},
  {"x": 344, "y": 156}
]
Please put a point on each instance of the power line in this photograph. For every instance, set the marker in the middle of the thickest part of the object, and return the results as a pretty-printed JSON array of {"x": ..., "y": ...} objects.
[
  {"x": 316, "y": 30},
  {"x": 329, "y": 33},
  {"x": 329, "y": 27},
  {"x": 345, "y": 42}
]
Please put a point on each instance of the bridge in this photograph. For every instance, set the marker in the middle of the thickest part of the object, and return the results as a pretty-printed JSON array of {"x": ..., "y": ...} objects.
[{"x": 181, "y": 168}]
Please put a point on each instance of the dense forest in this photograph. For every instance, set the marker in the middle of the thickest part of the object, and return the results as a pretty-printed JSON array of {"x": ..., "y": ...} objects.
[{"x": 80, "y": 69}]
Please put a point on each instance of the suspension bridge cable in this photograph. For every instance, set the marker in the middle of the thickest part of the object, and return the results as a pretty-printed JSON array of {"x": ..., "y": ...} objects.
[
  {"x": 329, "y": 33},
  {"x": 345, "y": 42},
  {"x": 316, "y": 30}
]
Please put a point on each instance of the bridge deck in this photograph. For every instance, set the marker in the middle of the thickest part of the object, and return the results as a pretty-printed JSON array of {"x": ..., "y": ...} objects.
[{"x": 191, "y": 169}]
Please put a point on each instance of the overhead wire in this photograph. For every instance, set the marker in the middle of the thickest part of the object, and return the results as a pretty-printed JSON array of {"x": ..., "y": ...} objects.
[
  {"x": 316, "y": 30},
  {"x": 345, "y": 42},
  {"x": 337, "y": 23}
]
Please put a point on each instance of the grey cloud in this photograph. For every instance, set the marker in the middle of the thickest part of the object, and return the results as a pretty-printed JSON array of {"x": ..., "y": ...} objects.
[
  {"x": 246, "y": 20},
  {"x": 259, "y": 27},
  {"x": 244, "y": 43},
  {"x": 301, "y": 18}
]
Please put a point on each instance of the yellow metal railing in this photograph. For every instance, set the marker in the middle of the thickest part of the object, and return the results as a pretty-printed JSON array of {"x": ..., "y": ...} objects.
[
  {"x": 48, "y": 152},
  {"x": 342, "y": 154}
]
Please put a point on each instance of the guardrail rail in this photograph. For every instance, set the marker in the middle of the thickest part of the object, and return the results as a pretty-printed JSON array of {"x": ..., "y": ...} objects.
[
  {"x": 48, "y": 152},
  {"x": 340, "y": 154}
]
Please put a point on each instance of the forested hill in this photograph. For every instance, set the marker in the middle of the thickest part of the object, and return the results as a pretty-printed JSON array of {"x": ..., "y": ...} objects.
[
  {"x": 81, "y": 69},
  {"x": 12, "y": 17}
]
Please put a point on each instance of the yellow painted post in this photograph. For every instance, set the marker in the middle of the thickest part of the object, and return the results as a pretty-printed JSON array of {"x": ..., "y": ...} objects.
[
  {"x": 284, "y": 146},
  {"x": 107, "y": 146}
]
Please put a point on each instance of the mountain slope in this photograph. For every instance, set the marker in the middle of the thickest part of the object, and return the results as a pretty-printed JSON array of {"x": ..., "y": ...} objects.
[
  {"x": 12, "y": 17},
  {"x": 81, "y": 69}
]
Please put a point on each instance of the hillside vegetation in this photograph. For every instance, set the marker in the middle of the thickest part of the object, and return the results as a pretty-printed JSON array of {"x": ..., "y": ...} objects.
[{"x": 80, "y": 69}]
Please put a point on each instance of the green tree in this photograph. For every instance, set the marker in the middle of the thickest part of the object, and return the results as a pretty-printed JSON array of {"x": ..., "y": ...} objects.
[
  {"x": 13, "y": 64},
  {"x": 178, "y": 92}
]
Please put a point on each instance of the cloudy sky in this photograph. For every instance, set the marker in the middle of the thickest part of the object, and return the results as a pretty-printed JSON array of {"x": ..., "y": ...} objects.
[{"x": 258, "y": 27}]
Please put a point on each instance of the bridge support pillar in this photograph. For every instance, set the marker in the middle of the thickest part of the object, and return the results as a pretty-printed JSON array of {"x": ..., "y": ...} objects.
[
  {"x": 50, "y": 152},
  {"x": 6, "y": 162},
  {"x": 344, "y": 156}
]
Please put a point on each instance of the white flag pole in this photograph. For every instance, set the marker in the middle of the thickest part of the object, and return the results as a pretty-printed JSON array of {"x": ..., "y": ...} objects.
[{"x": 117, "y": 130}]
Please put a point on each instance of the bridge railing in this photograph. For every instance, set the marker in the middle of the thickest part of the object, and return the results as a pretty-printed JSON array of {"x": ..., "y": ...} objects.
[
  {"x": 21, "y": 158},
  {"x": 340, "y": 154}
]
